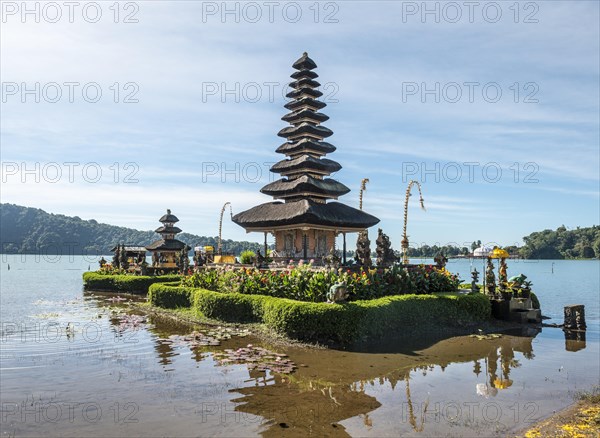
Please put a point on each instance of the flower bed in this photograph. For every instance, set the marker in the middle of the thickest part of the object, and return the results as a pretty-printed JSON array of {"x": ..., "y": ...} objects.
[
  {"x": 329, "y": 323},
  {"x": 304, "y": 283}
]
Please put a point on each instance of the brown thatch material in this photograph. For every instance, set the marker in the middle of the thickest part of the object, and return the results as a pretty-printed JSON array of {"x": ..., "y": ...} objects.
[
  {"x": 296, "y": 116},
  {"x": 304, "y": 82},
  {"x": 305, "y": 101},
  {"x": 308, "y": 163},
  {"x": 304, "y": 63},
  {"x": 304, "y": 74},
  {"x": 168, "y": 218},
  {"x": 305, "y": 211},
  {"x": 303, "y": 188},
  {"x": 304, "y": 145},
  {"x": 305, "y": 129},
  {"x": 304, "y": 91},
  {"x": 163, "y": 229},
  {"x": 167, "y": 245},
  {"x": 305, "y": 184}
]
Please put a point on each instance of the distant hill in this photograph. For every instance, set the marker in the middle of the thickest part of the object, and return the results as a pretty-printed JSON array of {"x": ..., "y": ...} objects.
[
  {"x": 26, "y": 230},
  {"x": 581, "y": 242}
]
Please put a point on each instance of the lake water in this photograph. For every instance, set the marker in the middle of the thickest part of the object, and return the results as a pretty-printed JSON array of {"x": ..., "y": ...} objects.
[{"x": 110, "y": 374}]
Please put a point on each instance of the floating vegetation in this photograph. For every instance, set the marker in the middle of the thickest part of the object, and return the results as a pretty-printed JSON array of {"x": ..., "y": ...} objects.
[
  {"x": 45, "y": 302},
  {"x": 256, "y": 358},
  {"x": 47, "y": 315},
  {"x": 212, "y": 337},
  {"x": 131, "y": 322}
]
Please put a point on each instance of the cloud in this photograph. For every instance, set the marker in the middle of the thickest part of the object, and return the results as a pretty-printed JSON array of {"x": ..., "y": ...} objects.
[{"x": 174, "y": 51}]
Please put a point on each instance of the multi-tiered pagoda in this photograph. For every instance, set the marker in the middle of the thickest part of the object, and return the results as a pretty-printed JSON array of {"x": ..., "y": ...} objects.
[
  {"x": 305, "y": 224},
  {"x": 166, "y": 250}
]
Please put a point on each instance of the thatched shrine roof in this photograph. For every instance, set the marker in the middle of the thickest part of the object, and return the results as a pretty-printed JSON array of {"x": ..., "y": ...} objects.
[
  {"x": 305, "y": 211},
  {"x": 167, "y": 245}
]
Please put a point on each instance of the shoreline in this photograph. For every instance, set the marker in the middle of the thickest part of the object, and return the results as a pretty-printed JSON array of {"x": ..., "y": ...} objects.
[{"x": 580, "y": 419}]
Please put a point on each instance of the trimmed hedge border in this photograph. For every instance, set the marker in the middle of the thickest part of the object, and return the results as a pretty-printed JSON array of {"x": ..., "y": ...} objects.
[
  {"x": 133, "y": 284},
  {"x": 322, "y": 322}
]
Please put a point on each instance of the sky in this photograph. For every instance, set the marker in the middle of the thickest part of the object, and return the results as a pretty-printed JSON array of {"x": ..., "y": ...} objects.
[{"x": 118, "y": 111}]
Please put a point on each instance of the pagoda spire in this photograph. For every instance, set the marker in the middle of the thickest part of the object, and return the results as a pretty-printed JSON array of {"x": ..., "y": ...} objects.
[
  {"x": 168, "y": 230},
  {"x": 304, "y": 170}
]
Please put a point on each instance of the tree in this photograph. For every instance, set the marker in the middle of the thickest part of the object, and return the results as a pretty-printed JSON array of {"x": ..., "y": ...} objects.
[
  {"x": 385, "y": 253},
  {"x": 597, "y": 246},
  {"x": 363, "y": 250}
]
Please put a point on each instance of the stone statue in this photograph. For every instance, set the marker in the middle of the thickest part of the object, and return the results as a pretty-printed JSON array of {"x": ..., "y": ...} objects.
[
  {"x": 474, "y": 280},
  {"x": 517, "y": 280},
  {"x": 490, "y": 277},
  {"x": 144, "y": 266},
  {"x": 385, "y": 253},
  {"x": 502, "y": 276},
  {"x": 332, "y": 259},
  {"x": 440, "y": 260},
  {"x": 337, "y": 293}
]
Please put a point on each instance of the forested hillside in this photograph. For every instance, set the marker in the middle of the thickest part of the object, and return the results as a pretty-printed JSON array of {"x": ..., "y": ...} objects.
[
  {"x": 562, "y": 244},
  {"x": 31, "y": 230}
]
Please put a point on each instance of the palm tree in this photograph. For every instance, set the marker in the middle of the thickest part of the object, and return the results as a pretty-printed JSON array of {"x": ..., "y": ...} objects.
[
  {"x": 221, "y": 224},
  {"x": 404, "y": 235}
]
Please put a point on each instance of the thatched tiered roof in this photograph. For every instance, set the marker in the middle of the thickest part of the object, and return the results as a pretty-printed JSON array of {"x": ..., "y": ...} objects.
[
  {"x": 167, "y": 242},
  {"x": 305, "y": 186}
]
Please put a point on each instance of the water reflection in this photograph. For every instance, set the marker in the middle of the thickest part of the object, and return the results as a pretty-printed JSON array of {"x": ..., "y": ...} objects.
[
  {"x": 324, "y": 392},
  {"x": 344, "y": 393},
  {"x": 574, "y": 340}
]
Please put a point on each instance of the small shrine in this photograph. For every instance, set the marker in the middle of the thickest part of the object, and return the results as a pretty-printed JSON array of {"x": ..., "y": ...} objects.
[
  {"x": 303, "y": 219},
  {"x": 131, "y": 256},
  {"x": 166, "y": 252}
]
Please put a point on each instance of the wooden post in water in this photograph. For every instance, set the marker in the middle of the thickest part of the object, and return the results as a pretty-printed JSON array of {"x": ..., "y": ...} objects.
[{"x": 574, "y": 317}]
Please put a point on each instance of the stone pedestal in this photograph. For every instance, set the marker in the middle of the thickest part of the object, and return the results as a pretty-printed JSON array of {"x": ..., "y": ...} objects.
[
  {"x": 501, "y": 309},
  {"x": 574, "y": 317}
]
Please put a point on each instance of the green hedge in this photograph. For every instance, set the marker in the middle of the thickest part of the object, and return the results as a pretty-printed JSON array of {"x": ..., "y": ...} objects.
[
  {"x": 322, "y": 322},
  {"x": 136, "y": 284},
  {"x": 170, "y": 295}
]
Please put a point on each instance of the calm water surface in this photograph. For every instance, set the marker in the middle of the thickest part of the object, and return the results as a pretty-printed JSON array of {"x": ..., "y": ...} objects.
[{"x": 105, "y": 378}]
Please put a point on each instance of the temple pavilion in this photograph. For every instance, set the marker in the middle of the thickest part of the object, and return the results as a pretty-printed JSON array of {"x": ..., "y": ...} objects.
[
  {"x": 303, "y": 218},
  {"x": 165, "y": 251}
]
